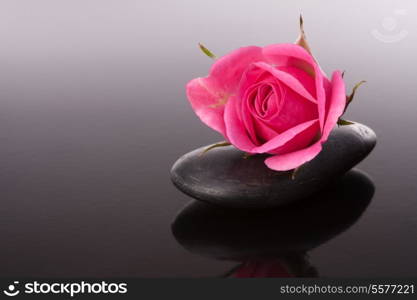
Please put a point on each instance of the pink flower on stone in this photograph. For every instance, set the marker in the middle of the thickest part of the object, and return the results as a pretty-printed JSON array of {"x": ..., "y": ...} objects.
[{"x": 273, "y": 100}]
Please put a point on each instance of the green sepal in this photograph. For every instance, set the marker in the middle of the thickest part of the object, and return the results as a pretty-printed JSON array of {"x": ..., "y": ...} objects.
[
  {"x": 349, "y": 98},
  {"x": 217, "y": 145},
  {"x": 302, "y": 39},
  {"x": 206, "y": 51},
  {"x": 295, "y": 172},
  {"x": 342, "y": 122}
]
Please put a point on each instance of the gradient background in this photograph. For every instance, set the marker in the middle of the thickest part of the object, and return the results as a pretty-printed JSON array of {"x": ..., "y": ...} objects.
[{"x": 93, "y": 113}]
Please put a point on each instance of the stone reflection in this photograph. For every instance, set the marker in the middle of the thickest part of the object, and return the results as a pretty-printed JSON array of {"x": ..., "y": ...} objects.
[{"x": 274, "y": 242}]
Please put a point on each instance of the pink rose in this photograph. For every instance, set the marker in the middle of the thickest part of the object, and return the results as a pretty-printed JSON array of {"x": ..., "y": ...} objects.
[{"x": 273, "y": 100}]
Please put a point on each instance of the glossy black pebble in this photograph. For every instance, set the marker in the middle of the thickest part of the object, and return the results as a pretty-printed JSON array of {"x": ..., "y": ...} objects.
[{"x": 224, "y": 177}]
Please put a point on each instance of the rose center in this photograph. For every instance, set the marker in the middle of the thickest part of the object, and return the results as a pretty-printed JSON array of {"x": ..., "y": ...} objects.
[{"x": 265, "y": 99}]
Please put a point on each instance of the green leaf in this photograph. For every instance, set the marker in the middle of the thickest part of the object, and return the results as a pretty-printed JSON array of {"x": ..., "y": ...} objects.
[
  {"x": 206, "y": 51},
  {"x": 217, "y": 145},
  {"x": 342, "y": 122}
]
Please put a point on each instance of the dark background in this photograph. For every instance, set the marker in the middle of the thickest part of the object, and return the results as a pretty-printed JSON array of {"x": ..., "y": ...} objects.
[{"x": 93, "y": 114}]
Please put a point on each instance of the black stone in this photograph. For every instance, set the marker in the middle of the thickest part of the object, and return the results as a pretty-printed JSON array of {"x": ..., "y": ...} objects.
[
  {"x": 223, "y": 176},
  {"x": 244, "y": 234}
]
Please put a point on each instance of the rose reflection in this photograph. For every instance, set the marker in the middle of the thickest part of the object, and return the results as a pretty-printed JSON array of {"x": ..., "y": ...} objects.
[
  {"x": 292, "y": 265},
  {"x": 274, "y": 242}
]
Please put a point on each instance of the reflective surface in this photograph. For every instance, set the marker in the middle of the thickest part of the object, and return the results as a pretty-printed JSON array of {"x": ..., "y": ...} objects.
[
  {"x": 93, "y": 115},
  {"x": 245, "y": 234}
]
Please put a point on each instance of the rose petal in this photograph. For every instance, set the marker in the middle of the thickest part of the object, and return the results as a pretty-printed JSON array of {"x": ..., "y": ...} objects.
[
  {"x": 296, "y": 56},
  {"x": 229, "y": 69},
  {"x": 300, "y": 141},
  {"x": 284, "y": 137},
  {"x": 336, "y": 105},
  {"x": 293, "y": 110},
  {"x": 207, "y": 104},
  {"x": 249, "y": 123},
  {"x": 264, "y": 131},
  {"x": 209, "y": 95},
  {"x": 293, "y": 160},
  {"x": 287, "y": 79},
  {"x": 235, "y": 128},
  {"x": 304, "y": 78}
]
